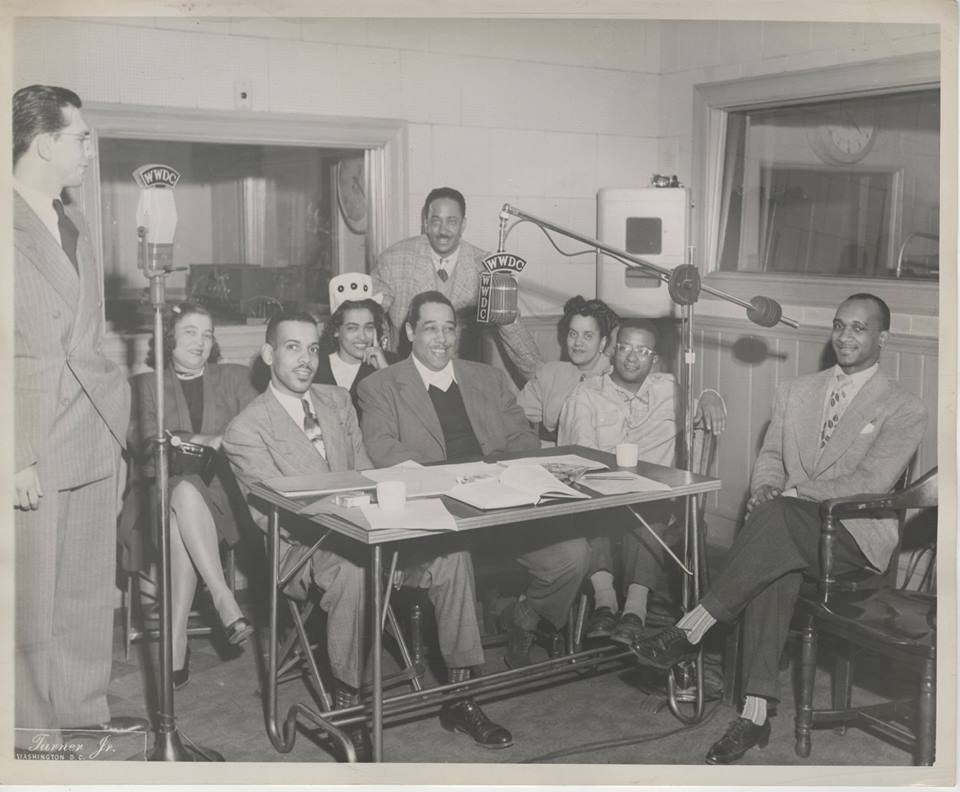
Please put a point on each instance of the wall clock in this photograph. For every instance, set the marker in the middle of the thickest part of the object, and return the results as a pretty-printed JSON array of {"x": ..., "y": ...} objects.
[
  {"x": 843, "y": 137},
  {"x": 351, "y": 194}
]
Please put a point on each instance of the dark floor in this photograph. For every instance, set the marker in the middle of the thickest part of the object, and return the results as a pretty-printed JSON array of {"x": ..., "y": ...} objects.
[{"x": 601, "y": 718}]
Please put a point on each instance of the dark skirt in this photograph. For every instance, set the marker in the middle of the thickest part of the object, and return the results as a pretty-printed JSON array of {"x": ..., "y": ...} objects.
[{"x": 138, "y": 530}]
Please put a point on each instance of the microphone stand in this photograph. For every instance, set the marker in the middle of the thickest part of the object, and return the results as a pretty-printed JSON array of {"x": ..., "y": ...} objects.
[
  {"x": 684, "y": 286},
  {"x": 168, "y": 746}
]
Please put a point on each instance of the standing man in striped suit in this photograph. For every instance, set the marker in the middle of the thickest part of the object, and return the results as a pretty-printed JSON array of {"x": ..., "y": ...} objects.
[
  {"x": 439, "y": 259},
  {"x": 72, "y": 407}
]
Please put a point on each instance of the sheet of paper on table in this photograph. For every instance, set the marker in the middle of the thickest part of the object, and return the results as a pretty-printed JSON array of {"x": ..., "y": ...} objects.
[
  {"x": 319, "y": 484},
  {"x": 422, "y": 514},
  {"x": 618, "y": 482},
  {"x": 566, "y": 467},
  {"x": 434, "y": 480}
]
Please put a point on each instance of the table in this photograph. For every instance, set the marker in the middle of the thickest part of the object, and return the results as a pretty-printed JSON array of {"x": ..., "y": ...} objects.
[{"x": 682, "y": 483}]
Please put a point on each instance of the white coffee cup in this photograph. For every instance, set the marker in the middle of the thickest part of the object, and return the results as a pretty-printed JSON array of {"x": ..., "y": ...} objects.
[
  {"x": 627, "y": 455},
  {"x": 391, "y": 495}
]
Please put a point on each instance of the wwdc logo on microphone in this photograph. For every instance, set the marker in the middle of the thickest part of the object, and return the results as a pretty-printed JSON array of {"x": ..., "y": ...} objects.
[
  {"x": 497, "y": 301},
  {"x": 158, "y": 176}
]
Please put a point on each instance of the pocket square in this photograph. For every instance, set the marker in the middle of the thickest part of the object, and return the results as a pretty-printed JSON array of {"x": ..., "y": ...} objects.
[{"x": 868, "y": 429}]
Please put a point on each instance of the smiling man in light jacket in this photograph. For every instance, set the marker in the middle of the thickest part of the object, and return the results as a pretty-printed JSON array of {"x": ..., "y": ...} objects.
[{"x": 839, "y": 432}]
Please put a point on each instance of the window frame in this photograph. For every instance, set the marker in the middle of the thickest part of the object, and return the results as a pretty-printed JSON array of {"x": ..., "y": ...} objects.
[
  {"x": 713, "y": 102},
  {"x": 385, "y": 139}
]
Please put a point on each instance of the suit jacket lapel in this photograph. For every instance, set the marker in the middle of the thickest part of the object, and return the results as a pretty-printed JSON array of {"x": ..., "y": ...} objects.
[
  {"x": 473, "y": 393},
  {"x": 465, "y": 278},
  {"x": 858, "y": 414},
  {"x": 332, "y": 434},
  {"x": 806, "y": 423},
  {"x": 414, "y": 398},
  {"x": 48, "y": 257},
  {"x": 289, "y": 440}
]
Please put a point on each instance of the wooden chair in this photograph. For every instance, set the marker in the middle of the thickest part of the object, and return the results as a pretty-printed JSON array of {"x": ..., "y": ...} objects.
[{"x": 896, "y": 624}]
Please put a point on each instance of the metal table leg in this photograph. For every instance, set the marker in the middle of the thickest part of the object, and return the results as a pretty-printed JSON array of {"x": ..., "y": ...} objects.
[{"x": 376, "y": 572}]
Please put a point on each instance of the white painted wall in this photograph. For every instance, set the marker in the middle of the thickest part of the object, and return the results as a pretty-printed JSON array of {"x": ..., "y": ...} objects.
[{"x": 540, "y": 114}]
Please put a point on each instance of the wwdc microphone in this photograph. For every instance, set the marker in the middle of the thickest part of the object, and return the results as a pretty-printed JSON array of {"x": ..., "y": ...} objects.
[
  {"x": 497, "y": 300},
  {"x": 156, "y": 216}
]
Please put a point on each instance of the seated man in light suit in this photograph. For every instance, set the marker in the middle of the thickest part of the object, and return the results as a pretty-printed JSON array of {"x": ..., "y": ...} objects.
[
  {"x": 296, "y": 428},
  {"x": 840, "y": 432},
  {"x": 433, "y": 408}
]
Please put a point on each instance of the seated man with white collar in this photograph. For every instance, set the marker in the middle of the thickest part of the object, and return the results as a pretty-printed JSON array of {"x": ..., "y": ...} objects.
[{"x": 434, "y": 408}]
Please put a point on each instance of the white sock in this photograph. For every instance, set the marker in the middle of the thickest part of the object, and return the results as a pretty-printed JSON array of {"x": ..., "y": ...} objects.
[
  {"x": 696, "y": 623},
  {"x": 604, "y": 595},
  {"x": 637, "y": 600},
  {"x": 755, "y": 710}
]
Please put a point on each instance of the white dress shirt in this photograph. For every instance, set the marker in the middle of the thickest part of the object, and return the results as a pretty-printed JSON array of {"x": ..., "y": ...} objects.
[
  {"x": 439, "y": 379},
  {"x": 447, "y": 262}
]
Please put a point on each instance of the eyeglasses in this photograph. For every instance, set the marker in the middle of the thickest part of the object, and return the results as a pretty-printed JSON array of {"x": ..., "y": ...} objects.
[
  {"x": 85, "y": 138},
  {"x": 639, "y": 351}
]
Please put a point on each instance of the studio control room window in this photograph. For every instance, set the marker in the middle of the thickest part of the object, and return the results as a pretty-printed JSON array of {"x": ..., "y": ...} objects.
[
  {"x": 827, "y": 176},
  {"x": 845, "y": 187},
  {"x": 257, "y": 226},
  {"x": 269, "y": 208}
]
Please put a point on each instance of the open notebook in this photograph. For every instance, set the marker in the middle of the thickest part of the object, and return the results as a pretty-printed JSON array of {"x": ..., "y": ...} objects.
[{"x": 517, "y": 485}]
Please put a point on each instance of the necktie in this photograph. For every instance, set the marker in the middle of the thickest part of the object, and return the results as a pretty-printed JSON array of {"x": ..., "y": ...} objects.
[
  {"x": 312, "y": 428},
  {"x": 68, "y": 233},
  {"x": 835, "y": 407},
  {"x": 442, "y": 272}
]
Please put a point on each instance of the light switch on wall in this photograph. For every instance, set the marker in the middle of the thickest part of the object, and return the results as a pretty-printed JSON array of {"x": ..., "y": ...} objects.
[{"x": 241, "y": 95}]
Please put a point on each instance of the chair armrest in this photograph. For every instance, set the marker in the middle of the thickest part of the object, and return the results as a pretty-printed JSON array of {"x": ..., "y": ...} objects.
[{"x": 858, "y": 505}]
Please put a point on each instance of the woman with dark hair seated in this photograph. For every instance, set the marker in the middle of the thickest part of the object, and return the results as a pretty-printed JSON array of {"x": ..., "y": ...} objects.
[
  {"x": 584, "y": 333},
  {"x": 201, "y": 396},
  {"x": 353, "y": 341}
]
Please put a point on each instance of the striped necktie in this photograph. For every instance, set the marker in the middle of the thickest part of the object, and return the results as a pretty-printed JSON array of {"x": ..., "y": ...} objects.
[
  {"x": 68, "y": 233},
  {"x": 311, "y": 426},
  {"x": 835, "y": 407}
]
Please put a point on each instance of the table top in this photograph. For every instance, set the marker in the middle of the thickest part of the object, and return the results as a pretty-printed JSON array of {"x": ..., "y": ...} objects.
[{"x": 350, "y": 522}]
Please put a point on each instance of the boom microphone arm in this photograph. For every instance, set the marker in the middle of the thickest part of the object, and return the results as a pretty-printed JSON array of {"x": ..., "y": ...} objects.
[{"x": 763, "y": 311}]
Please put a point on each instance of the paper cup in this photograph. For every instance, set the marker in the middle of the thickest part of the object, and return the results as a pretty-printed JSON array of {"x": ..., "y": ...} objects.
[
  {"x": 391, "y": 495},
  {"x": 627, "y": 455}
]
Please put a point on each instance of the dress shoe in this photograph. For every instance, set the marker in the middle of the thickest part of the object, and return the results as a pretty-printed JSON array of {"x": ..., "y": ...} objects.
[
  {"x": 663, "y": 650},
  {"x": 741, "y": 736},
  {"x": 360, "y": 737},
  {"x": 120, "y": 724},
  {"x": 238, "y": 631},
  {"x": 519, "y": 641},
  {"x": 600, "y": 624},
  {"x": 630, "y": 628},
  {"x": 467, "y": 717}
]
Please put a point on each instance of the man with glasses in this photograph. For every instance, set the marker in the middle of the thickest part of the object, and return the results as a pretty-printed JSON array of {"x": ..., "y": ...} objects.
[
  {"x": 632, "y": 403},
  {"x": 72, "y": 408},
  {"x": 840, "y": 432}
]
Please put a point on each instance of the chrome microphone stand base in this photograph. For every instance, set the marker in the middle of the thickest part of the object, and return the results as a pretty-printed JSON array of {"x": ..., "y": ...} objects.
[{"x": 169, "y": 748}]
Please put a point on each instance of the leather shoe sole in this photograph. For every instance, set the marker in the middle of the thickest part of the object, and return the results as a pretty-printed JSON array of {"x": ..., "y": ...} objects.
[
  {"x": 467, "y": 718},
  {"x": 741, "y": 736},
  {"x": 121, "y": 724}
]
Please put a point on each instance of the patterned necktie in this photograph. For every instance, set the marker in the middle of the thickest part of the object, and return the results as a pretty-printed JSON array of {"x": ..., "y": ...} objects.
[
  {"x": 68, "y": 233},
  {"x": 312, "y": 428},
  {"x": 442, "y": 272},
  {"x": 835, "y": 408}
]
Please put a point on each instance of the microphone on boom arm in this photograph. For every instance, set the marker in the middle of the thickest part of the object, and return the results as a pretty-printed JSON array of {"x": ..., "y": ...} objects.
[{"x": 497, "y": 300}]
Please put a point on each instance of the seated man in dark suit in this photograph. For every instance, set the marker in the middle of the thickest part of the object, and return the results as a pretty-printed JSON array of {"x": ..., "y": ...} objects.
[
  {"x": 839, "y": 432},
  {"x": 296, "y": 428},
  {"x": 433, "y": 408}
]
